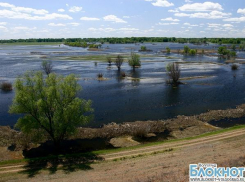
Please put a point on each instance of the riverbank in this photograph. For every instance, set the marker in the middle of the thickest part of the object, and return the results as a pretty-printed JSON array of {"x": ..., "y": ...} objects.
[{"x": 14, "y": 145}]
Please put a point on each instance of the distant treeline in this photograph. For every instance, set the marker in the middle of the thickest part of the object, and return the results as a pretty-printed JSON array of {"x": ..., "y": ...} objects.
[{"x": 128, "y": 40}]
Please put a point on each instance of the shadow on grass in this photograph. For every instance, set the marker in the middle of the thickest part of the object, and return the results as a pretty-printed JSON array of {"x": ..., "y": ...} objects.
[
  {"x": 74, "y": 155},
  {"x": 66, "y": 163}
]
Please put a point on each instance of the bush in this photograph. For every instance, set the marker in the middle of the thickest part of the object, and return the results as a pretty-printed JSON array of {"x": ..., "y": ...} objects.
[
  {"x": 168, "y": 50},
  {"x": 47, "y": 67},
  {"x": 234, "y": 67},
  {"x": 186, "y": 49},
  {"x": 192, "y": 52},
  {"x": 123, "y": 74},
  {"x": 100, "y": 75},
  {"x": 143, "y": 48},
  {"x": 6, "y": 86},
  {"x": 134, "y": 60},
  {"x": 109, "y": 60}
]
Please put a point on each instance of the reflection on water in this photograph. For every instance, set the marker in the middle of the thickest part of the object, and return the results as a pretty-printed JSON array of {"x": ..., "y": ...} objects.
[{"x": 143, "y": 93}]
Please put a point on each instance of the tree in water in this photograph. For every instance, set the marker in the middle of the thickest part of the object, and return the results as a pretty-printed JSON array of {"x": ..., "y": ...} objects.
[
  {"x": 119, "y": 61},
  {"x": 47, "y": 67},
  {"x": 173, "y": 71},
  {"x": 134, "y": 60}
]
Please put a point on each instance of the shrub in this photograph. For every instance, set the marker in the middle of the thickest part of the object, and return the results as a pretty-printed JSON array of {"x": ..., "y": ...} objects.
[
  {"x": 192, "y": 52},
  {"x": 234, "y": 67},
  {"x": 233, "y": 54},
  {"x": 173, "y": 71},
  {"x": 47, "y": 67},
  {"x": 186, "y": 49},
  {"x": 100, "y": 75},
  {"x": 134, "y": 60},
  {"x": 123, "y": 74},
  {"x": 143, "y": 48},
  {"x": 109, "y": 60},
  {"x": 119, "y": 61},
  {"x": 168, "y": 50},
  {"x": 6, "y": 86}
]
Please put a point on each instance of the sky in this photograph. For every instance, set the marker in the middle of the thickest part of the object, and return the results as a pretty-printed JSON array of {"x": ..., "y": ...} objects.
[{"x": 121, "y": 18}]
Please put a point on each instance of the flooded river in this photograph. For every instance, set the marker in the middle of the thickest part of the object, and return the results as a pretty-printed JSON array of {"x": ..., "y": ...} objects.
[{"x": 143, "y": 94}]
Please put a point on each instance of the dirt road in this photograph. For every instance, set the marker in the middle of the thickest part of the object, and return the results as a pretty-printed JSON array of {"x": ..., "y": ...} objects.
[{"x": 164, "y": 162}]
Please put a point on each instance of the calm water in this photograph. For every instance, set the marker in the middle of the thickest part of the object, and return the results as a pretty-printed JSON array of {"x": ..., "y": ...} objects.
[{"x": 148, "y": 98}]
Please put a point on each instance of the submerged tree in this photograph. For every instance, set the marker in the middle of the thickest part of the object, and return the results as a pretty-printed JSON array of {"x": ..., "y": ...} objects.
[
  {"x": 143, "y": 48},
  {"x": 233, "y": 47},
  {"x": 50, "y": 105},
  {"x": 134, "y": 60},
  {"x": 192, "y": 52},
  {"x": 186, "y": 49},
  {"x": 109, "y": 60},
  {"x": 119, "y": 61},
  {"x": 173, "y": 71},
  {"x": 47, "y": 67}
]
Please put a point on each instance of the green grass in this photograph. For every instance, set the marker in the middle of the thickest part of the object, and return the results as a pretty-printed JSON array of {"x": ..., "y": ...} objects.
[
  {"x": 108, "y": 151},
  {"x": 32, "y": 43}
]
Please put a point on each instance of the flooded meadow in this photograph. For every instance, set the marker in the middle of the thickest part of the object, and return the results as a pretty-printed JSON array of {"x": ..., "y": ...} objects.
[{"x": 209, "y": 83}]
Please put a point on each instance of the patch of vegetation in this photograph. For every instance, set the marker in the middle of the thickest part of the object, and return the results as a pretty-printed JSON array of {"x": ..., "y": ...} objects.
[
  {"x": 119, "y": 61},
  {"x": 123, "y": 74},
  {"x": 222, "y": 51},
  {"x": 192, "y": 52},
  {"x": 134, "y": 60},
  {"x": 100, "y": 75},
  {"x": 109, "y": 60},
  {"x": 173, "y": 71},
  {"x": 186, "y": 49},
  {"x": 6, "y": 86},
  {"x": 168, "y": 50},
  {"x": 143, "y": 48},
  {"x": 234, "y": 66},
  {"x": 47, "y": 67}
]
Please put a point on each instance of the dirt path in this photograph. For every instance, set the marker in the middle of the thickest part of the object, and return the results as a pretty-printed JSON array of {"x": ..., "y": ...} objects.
[
  {"x": 216, "y": 148},
  {"x": 173, "y": 145}
]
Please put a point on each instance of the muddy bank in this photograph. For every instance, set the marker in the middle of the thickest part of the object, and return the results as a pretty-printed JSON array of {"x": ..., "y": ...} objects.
[{"x": 14, "y": 143}]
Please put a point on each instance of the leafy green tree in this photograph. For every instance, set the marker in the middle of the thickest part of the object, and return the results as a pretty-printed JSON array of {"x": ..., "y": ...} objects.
[
  {"x": 222, "y": 50},
  {"x": 134, "y": 60},
  {"x": 168, "y": 50},
  {"x": 186, "y": 49},
  {"x": 233, "y": 54},
  {"x": 143, "y": 48},
  {"x": 50, "y": 105},
  {"x": 233, "y": 47},
  {"x": 241, "y": 47},
  {"x": 192, "y": 52}
]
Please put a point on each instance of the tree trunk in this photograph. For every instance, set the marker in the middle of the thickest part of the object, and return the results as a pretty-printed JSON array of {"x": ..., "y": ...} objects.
[{"x": 56, "y": 146}]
